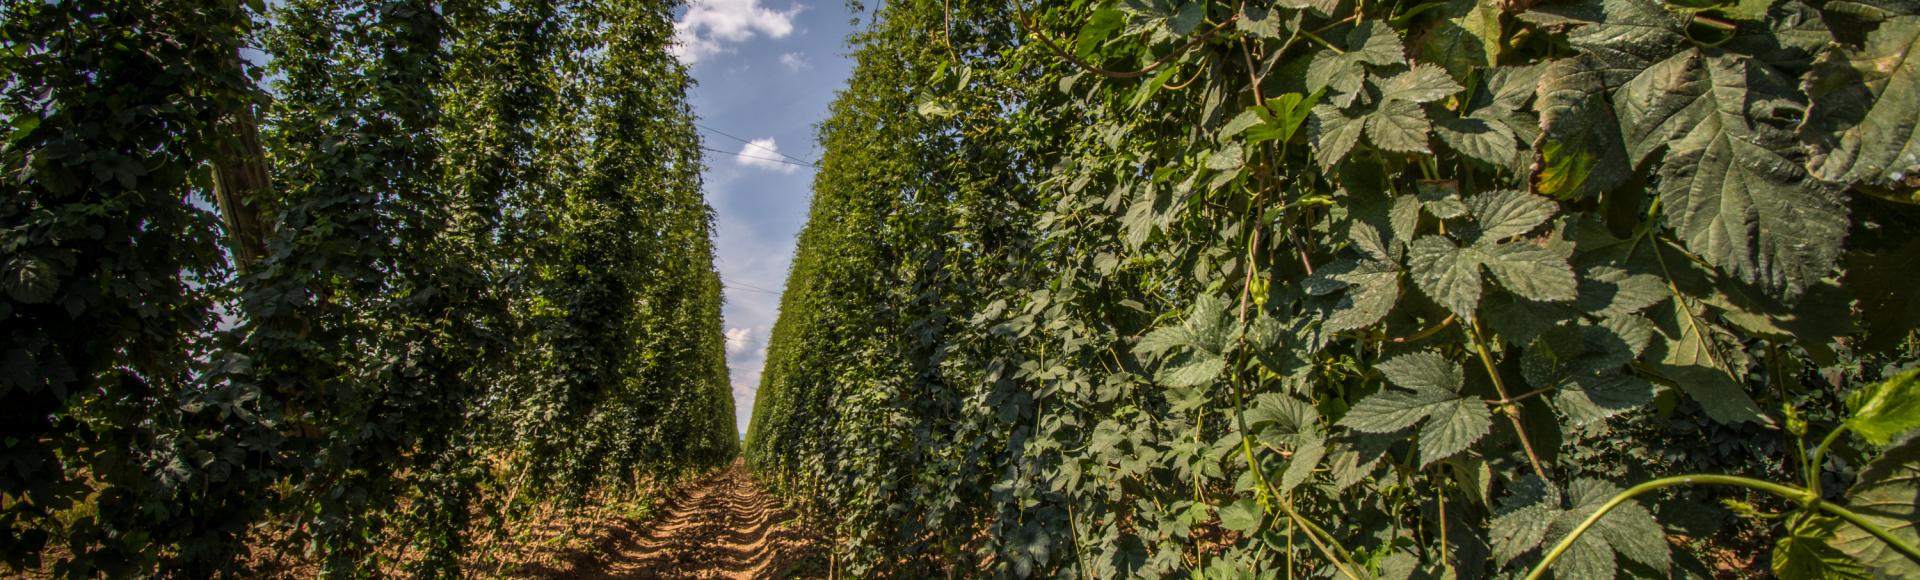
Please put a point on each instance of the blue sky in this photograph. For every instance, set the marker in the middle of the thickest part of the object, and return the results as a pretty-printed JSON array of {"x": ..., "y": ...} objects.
[{"x": 765, "y": 72}]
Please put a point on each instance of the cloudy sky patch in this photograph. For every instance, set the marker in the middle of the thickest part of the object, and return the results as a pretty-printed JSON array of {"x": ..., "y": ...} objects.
[
  {"x": 795, "y": 61},
  {"x": 709, "y": 26},
  {"x": 764, "y": 153},
  {"x": 738, "y": 339}
]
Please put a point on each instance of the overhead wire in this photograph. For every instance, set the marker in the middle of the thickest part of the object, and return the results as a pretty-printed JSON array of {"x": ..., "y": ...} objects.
[
  {"x": 753, "y": 144},
  {"x": 768, "y": 159},
  {"x": 747, "y": 287}
]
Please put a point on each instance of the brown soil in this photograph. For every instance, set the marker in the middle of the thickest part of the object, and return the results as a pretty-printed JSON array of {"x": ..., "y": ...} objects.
[{"x": 724, "y": 527}]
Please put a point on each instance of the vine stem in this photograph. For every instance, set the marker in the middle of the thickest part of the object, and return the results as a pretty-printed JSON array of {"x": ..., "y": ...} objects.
[
  {"x": 1812, "y": 466},
  {"x": 1802, "y": 496},
  {"x": 1511, "y": 410},
  {"x": 1337, "y": 553},
  {"x": 1428, "y": 332}
]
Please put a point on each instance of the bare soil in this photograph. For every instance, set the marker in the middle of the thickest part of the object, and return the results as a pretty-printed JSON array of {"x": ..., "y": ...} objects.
[{"x": 724, "y": 527}]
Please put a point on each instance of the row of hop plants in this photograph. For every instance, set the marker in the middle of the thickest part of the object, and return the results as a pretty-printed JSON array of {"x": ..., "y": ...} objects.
[
  {"x": 359, "y": 281},
  {"x": 1345, "y": 288}
]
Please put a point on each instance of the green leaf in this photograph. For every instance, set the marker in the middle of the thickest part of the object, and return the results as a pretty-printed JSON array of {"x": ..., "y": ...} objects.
[
  {"x": 1442, "y": 199},
  {"x": 1198, "y": 370},
  {"x": 1805, "y": 554},
  {"x": 1335, "y": 73},
  {"x": 1578, "y": 154},
  {"x": 1392, "y": 410},
  {"x": 1161, "y": 340},
  {"x": 936, "y": 108},
  {"x": 1531, "y": 518},
  {"x": 1288, "y": 111},
  {"x": 30, "y": 280},
  {"x": 1399, "y": 126},
  {"x": 1306, "y": 457},
  {"x": 1454, "y": 422},
  {"x": 1209, "y": 323},
  {"x": 1466, "y": 39},
  {"x": 1187, "y": 18},
  {"x": 1588, "y": 557},
  {"x": 1884, "y": 495},
  {"x": 1451, "y": 274},
  {"x": 1282, "y": 412},
  {"x": 1375, "y": 43},
  {"x": 1864, "y": 121},
  {"x": 1372, "y": 288},
  {"x": 1490, "y": 142},
  {"x": 1452, "y": 427},
  {"x": 1420, "y": 84},
  {"x": 1262, "y": 21},
  {"x": 1533, "y": 272},
  {"x": 1609, "y": 291},
  {"x": 1424, "y": 370},
  {"x": 1690, "y": 363},
  {"x": 1226, "y": 158},
  {"x": 1629, "y": 531},
  {"x": 1447, "y": 273},
  {"x": 1731, "y": 185},
  {"x": 1336, "y": 132},
  {"x": 1887, "y": 409},
  {"x": 1628, "y": 35},
  {"x": 1096, "y": 31},
  {"x": 1243, "y": 515},
  {"x": 1590, "y": 398},
  {"x": 1506, "y": 213},
  {"x": 1525, "y": 514},
  {"x": 1241, "y": 122}
]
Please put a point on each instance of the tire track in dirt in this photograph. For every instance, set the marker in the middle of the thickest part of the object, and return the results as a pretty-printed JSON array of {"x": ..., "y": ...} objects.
[{"x": 726, "y": 527}]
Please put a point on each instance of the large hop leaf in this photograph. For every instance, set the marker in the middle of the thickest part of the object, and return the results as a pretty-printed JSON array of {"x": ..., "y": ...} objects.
[
  {"x": 1886, "y": 409},
  {"x": 1688, "y": 358},
  {"x": 1731, "y": 183},
  {"x": 1507, "y": 213},
  {"x": 1532, "y": 518},
  {"x": 1625, "y": 36},
  {"x": 1884, "y": 495},
  {"x": 1578, "y": 153},
  {"x": 1865, "y": 118},
  {"x": 1453, "y": 420},
  {"x": 1465, "y": 38},
  {"x": 1806, "y": 553},
  {"x": 1451, "y": 273},
  {"x": 1586, "y": 365},
  {"x": 1372, "y": 287},
  {"x": 1394, "y": 121},
  {"x": 1343, "y": 73},
  {"x": 1195, "y": 349}
]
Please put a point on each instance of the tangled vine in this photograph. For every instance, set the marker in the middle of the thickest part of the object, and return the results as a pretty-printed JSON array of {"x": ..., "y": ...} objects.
[
  {"x": 1355, "y": 288},
  {"x": 363, "y": 280}
]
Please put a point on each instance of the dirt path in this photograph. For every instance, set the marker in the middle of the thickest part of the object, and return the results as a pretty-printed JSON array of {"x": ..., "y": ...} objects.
[{"x": 725, "y": 527}]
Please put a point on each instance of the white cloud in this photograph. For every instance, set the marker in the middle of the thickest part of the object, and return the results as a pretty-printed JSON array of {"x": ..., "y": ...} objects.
[
  {"x": 764, "y": 154},
  {"x": 709, "y": 24},
  {"x": 795, "y": 61},
  {"x": 738, "y": 339}
]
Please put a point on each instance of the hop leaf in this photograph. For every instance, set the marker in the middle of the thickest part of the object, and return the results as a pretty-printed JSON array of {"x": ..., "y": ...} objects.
[
  {"x": 1887, "y": 409},
  {"x": 1453, "y": 421},
  {"x": 1882, "y": 78},
  {"x": 1884, "y": 496}
]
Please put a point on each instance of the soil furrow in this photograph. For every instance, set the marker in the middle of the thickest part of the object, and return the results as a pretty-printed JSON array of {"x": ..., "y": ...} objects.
[{"x": 725, "y": 527}]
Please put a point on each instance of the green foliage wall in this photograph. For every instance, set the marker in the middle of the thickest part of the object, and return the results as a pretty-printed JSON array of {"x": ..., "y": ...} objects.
[
  {"x": 1337, "y": 288},
  {"x": 489, "y": 282}
]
